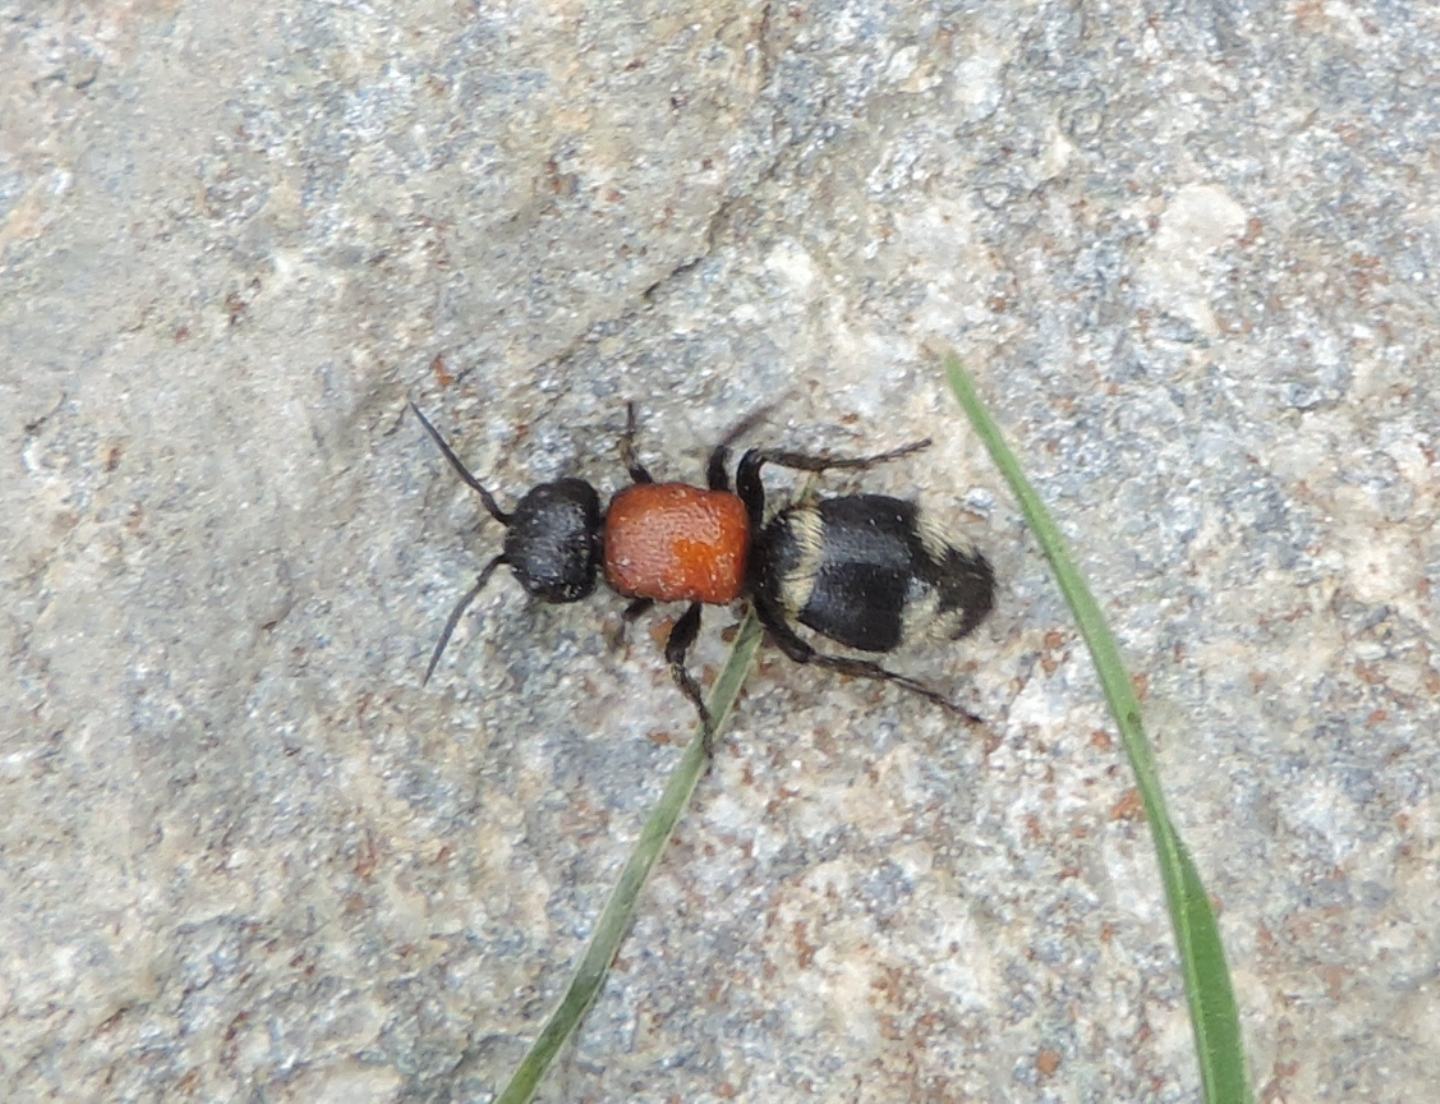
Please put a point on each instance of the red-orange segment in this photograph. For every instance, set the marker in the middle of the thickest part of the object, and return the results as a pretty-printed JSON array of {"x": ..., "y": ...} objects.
[{"x": 676, "y": 543}]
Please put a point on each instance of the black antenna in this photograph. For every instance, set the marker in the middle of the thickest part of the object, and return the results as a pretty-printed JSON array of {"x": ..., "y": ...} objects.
[
  {"x": 459, "y": 610},
  {"x": 460, "y": 469}
]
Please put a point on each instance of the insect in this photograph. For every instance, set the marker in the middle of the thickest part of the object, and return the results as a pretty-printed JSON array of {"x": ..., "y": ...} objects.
[{"x": 869, "y": 572}]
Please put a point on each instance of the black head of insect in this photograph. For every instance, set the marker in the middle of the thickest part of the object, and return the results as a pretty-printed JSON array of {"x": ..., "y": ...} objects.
[{"x": 552, "y": 540}]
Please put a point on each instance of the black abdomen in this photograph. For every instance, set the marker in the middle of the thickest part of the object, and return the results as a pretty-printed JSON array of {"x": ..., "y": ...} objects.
[{"x": 869, "y": 572}]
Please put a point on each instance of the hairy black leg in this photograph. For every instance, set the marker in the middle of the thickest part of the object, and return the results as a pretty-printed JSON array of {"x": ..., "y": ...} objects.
[
  {"x": 752, "y": 490},
  {"x": 459, "y": 610},
  {"x": 627, "y": 448},
  {"x": 633, "y": 612},
  {"x": 811, "y": 462},
  {"x": 682, "y": 636},
  {"x": 498, "y": 514},
  {"x": 797, "y": 649},
  {"x": 716, "y": 477}
]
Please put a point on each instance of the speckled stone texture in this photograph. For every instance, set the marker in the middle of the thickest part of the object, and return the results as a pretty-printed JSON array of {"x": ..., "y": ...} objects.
[{"x": 1190, "y": 251}]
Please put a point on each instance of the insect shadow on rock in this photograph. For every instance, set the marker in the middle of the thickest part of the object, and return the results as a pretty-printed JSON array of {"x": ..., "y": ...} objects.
[{"x": 868, "y": 571}]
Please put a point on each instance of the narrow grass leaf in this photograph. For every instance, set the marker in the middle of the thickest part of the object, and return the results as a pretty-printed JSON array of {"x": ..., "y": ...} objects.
[
  {"x": 620, "y": 909},
  {"x": 1213, "y": 1012}
]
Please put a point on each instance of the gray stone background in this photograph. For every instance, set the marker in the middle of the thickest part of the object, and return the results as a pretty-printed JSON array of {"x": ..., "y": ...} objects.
[{"x": 1190, "y": 251}]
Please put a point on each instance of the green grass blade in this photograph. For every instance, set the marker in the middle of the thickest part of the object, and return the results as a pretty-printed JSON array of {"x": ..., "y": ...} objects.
[
  {"x": 1213, "y": 1012},
  {"x": 615, "y": 919}
]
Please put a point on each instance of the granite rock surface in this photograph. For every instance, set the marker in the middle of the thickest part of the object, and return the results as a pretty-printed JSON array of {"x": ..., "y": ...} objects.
[{"x": 1190, "y": 252}]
